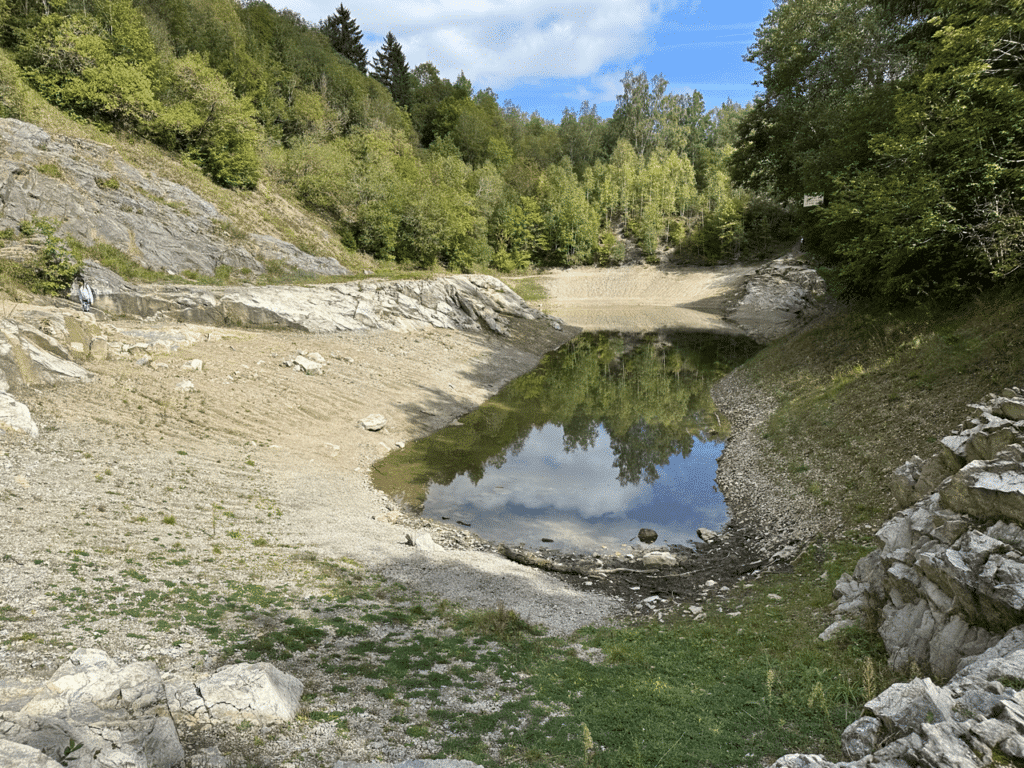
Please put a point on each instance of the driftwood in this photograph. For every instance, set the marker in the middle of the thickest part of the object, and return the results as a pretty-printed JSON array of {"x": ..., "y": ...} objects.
[{"x": 536, "y": 561}]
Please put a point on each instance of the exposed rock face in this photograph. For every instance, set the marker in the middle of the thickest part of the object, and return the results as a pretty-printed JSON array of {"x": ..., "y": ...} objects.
[
  {"x": 459, "y": 302},
  {"x": 948, "y": 579},
  {"x": 98, "y": 197},
  {"x": 43, "y": 346},
  {"x": 947, "y": 586},
  {"x": 129, "y": 715},
  {"x": 778, "y": 298}
]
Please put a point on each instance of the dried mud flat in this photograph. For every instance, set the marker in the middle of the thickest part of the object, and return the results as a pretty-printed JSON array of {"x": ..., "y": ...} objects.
[
  {"x": 163, "y": 484},
  {"x": 640, "y": 298}
]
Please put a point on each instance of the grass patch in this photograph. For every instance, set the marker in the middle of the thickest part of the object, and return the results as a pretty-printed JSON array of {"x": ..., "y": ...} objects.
[
  {"x": 868, "y": 387},
  {"x": 528, "y": 288}
]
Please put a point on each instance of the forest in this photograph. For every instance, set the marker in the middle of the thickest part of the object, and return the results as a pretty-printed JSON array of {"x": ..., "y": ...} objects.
[
  {"x": 406, "y": 165},
  {"x": 905, "y": 116},
  {"x": 900, "y": 117}
]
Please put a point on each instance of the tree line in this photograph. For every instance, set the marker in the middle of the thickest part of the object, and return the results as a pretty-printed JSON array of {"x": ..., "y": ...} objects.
[
  {"x": 905, "y": 116},
  {"x": 408, "y": 166}
]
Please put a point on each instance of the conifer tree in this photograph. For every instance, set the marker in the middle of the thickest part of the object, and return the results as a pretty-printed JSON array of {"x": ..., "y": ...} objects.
[
  {"x": 392, "y": 71},
  {"x": 346, "y": 37}
]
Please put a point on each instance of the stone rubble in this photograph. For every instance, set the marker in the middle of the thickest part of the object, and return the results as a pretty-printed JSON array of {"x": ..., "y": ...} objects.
[
  {"x": 778, "y": 298},
  {"x": 129, "y": 715},
  {"x": 946, "y": 589}
]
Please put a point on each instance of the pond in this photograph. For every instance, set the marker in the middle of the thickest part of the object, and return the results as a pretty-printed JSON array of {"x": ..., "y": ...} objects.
[{"x": 609, "y": 434}]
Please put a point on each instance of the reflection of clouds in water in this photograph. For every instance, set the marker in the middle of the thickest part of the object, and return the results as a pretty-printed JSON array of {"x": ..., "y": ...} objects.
[
  {"x": 576, "y": 499},
  {"x": 544, "y": 476}
]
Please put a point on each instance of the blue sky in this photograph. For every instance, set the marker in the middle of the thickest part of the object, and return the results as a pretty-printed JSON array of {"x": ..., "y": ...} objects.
[{"x": 545, "y": 55}]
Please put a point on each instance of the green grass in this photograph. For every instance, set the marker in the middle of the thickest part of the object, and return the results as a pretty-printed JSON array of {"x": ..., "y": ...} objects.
[
  {"x": 866, "y": 388},
  {"x": 858, "y": 393}
]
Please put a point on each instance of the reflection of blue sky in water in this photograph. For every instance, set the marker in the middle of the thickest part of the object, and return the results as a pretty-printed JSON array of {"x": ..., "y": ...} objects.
[{"x": 575, "y": 498}]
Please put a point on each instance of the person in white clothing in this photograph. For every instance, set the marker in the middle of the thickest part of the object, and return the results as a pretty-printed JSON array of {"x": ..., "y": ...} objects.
[{"x": 85, "y": 295}]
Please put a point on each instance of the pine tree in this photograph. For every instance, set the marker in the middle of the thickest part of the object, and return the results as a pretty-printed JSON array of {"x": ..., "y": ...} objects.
[
  {"x": 392, "y": 71},
  {"x": 346, "y": 37}
]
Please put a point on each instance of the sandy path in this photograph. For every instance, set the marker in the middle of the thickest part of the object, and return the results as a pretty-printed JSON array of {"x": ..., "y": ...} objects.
[{"x": 643, "y": 298}]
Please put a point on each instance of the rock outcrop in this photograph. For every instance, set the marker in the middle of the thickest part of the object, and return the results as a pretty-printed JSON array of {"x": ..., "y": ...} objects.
[
  {"x": 459, "y": 302},
  {"x": 30, "y": 356},
  {"x": 946, "y": 590},
  {"x": 97, "y": 713},
  {"x": 99, "y": 198},
  {"x": 778, "y": 298},
  {"x": 41, "y": 347}
]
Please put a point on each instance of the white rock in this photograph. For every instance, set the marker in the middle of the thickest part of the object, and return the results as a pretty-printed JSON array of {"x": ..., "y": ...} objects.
[
  {"x": 375, "y": 422},
  {"x": 660, "y": 559},
  {"x": 423, "y": 541},
  {"x": 16, "y": 416}
]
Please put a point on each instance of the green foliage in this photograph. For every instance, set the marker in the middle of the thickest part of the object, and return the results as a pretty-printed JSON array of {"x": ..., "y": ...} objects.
[
  {"x": 392, "y": 70},
  {"x": 117, "y": 261},
  {"x": 74, "y": 63},
  {"x": 519, "y": 230},
  {"x": 68, "y": 753},
  {"x": 830, "y": 70},
  {"x": 243, "y": 89},
  {"x": 54, "y": 268},
  {"x": 203, "y": 117},
  {"x": 346, "y": 37},
  {"x": 13, "y": 92},
  {"x": 905, "y": 116},
  {"x": 942, "y": 210},
  {"x": 571, "y": 223}
]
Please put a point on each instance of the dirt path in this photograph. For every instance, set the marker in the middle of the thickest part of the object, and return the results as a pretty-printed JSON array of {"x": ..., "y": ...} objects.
[{"x": 643, "y": 298}]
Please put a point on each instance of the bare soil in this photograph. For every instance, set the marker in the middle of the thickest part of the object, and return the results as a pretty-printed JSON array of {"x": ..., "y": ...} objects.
[
  {"x": 642, "y": 298},
  {"x": 247, "y": 469}
]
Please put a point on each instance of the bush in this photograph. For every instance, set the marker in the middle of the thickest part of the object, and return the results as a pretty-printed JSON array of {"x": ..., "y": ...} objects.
[
  {"x": 52, "y": 271},
  {"x": 13, "y": 92}
]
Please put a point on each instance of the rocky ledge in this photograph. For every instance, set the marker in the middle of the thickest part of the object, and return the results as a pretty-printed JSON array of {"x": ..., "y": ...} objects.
[
  {"x": 778, "y": 298},
  {"x": 946, "y": 590}
]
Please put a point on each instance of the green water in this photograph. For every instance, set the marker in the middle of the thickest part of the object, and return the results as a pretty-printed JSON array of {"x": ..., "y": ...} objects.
[{"x": 609, "y": 434}]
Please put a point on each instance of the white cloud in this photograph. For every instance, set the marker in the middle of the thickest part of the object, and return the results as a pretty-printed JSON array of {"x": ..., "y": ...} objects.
[
  {"x": 543, "y": 476},
  {"x": 497, "y": 42},
  {"x": 575, "y": 499}
]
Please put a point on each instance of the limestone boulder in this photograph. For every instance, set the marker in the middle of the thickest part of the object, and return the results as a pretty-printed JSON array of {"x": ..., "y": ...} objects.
[
  {"x": 862, "y": 737},
  {"x": 992, "y": 490},
  {"x": 128, "y": 715},
  {"x": 778, "y": 298},
  {"x": 255, "y": 693},
  {"x": 118, "y": 713},
  {"x": 16, "y": 416}
]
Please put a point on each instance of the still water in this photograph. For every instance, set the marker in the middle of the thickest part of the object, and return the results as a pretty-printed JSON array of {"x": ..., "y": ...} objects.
[{"x": 609, "y": 434}]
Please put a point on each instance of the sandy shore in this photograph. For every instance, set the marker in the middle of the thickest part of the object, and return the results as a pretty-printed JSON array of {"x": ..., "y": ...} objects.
[{"x": 643, "y": 298}]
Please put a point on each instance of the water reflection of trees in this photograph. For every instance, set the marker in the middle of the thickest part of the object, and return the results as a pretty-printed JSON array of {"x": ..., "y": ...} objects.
[{"x": 651, "y": 394}]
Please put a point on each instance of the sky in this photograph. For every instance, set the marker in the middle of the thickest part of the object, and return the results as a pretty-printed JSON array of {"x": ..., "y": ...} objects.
[{"x": 548, "y": 55}]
